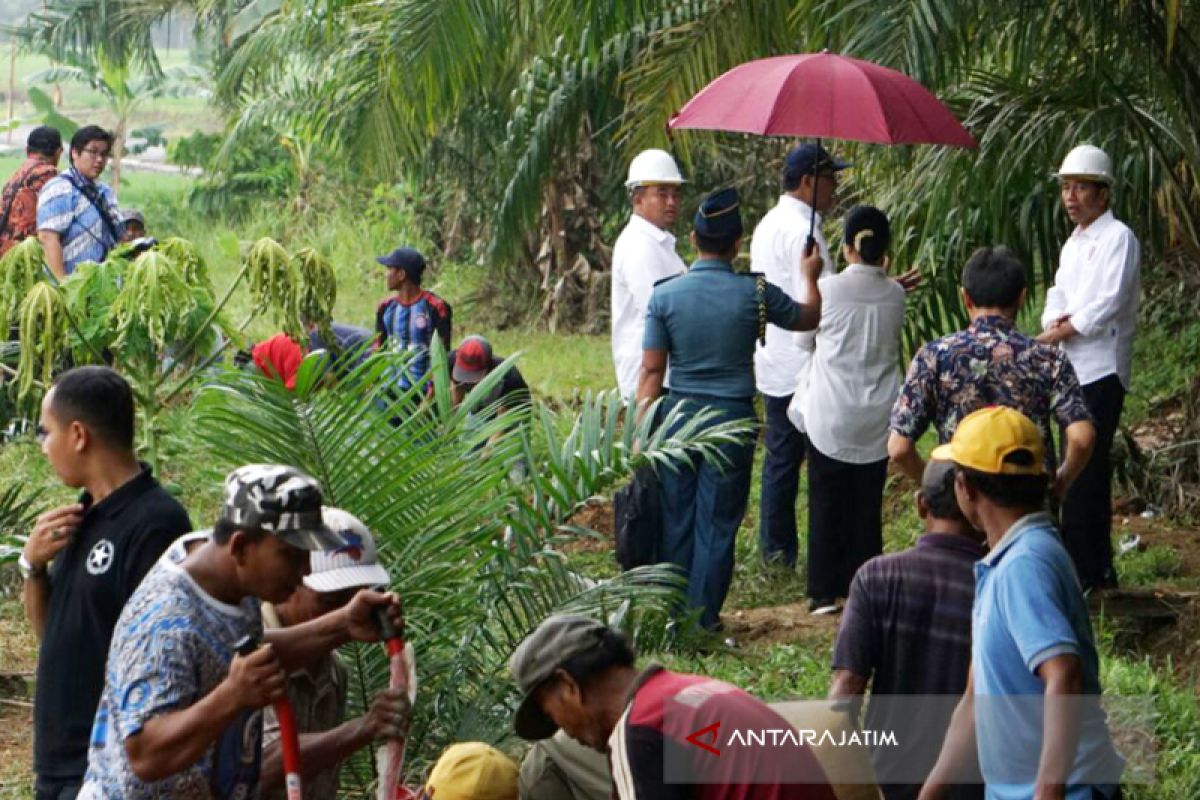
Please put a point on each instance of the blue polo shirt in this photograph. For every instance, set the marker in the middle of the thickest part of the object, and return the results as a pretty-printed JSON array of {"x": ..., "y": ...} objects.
[
  {"x": 707, "y": 321},
  {"x": 1029, "y": 608}
]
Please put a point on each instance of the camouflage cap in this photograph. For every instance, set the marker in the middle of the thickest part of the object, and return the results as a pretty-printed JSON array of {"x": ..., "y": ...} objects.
[{"x": 281, "y": 500}]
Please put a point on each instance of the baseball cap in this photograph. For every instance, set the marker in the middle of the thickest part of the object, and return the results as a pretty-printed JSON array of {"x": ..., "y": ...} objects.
[
  {"x": 558, "y": 639},
  {"x": 281, "y": 500},
  {"x": 132, "y": 215},
  {"x": 351, "y": 565},
  {"x": 985, "y": 438},
  {"x": 472, "y": 360},
  {"x": 473, "y": 771},
  {"x": 808, "y": 158},
  {"x": 404, "y": 258},
  {"x": 718, "y": 216}
]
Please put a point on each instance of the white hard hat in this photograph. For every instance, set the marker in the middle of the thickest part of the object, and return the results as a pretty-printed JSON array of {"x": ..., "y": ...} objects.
[
  {"x": 653, "y": 166},
  {"x": 1087, "y": 161},
  {"x": 354, "y": 564}
]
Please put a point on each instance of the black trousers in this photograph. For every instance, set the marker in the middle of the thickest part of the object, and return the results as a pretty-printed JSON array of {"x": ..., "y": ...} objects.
[
  {"x": 1087, "y": 508},
  {"x": 777, "y": 539},
  {"x": 845, "y": 521}
]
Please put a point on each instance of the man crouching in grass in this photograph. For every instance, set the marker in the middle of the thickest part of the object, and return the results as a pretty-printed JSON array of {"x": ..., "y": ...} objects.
[
  {"x": 181, "y": 714},
  {"x": 1032, "y": 696}
]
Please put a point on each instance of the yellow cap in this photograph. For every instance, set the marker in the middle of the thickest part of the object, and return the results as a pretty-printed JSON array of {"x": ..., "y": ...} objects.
[
  {"x": 984, "y": 438},
  {"x": 473, "y": 771}
]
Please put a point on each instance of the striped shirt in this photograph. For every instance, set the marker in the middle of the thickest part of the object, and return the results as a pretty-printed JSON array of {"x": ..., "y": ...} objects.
[
  {"x": 66, "y": 210},
  {"x": 907, "y": 627}
]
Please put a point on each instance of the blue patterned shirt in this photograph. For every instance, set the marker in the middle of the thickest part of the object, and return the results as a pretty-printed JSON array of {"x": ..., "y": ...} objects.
[
  {"x": 990, "y": 363},
  {"x": 173, "y": 644},
  {"x": 64, "y": 209}
]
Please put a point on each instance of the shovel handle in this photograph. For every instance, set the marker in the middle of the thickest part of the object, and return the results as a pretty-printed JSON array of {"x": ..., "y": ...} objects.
[{"x": 289, "y": 737}]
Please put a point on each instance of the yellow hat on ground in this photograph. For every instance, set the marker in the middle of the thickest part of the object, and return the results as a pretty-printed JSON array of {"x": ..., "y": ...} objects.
[
  {"x": 985, "y": 438},
  {"x": 473, "y": 771}
]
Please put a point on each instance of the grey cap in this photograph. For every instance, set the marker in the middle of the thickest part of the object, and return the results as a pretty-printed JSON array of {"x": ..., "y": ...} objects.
[
  {"x": 132, "y": 215},
  {"x": 281, "y": 500},
  {"x": 556, "y": 640},
  {"x": 935, "y": 475}
]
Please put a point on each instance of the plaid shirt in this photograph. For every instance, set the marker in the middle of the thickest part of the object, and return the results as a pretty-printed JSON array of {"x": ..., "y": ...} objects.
[
  {"x": 64, "y": 209},
  {"x": 990, "y": 363}
]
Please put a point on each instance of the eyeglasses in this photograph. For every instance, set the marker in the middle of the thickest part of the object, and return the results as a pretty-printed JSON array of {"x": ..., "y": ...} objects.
[{"x": 102, "y": 155}]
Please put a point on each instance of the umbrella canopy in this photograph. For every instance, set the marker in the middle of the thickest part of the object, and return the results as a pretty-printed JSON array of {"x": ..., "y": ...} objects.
[{"x": 825, "y": 96}]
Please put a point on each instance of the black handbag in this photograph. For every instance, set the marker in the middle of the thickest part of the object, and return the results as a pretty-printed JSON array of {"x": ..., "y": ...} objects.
[{"x": 637, "y": 520}]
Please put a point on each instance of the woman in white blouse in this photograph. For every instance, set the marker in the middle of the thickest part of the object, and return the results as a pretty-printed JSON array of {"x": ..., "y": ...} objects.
[{"x": 845, "y": 398}]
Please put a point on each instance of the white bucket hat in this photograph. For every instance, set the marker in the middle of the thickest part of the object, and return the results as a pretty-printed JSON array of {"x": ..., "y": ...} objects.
[{"x": 355, "y": 564}]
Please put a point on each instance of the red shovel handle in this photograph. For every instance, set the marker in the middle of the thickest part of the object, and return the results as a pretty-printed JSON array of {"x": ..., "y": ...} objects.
[
  {"x": 393, "y": 639},
  {"x": 289, "y": 738}
]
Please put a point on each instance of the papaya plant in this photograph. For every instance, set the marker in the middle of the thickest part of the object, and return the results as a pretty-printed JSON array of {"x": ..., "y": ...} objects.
[{"x": 153, "y": 316}]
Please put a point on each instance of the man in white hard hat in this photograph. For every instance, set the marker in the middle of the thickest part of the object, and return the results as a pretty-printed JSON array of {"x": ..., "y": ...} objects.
[
  {"x": 319, "y": 691},
  {"x": 643, "y": 255},
  {"x": 1091, "y": 312}
]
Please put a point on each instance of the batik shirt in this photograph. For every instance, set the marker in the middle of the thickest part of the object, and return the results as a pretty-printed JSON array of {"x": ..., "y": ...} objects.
[
  {"x": 411, "y": 328},
  {"x": 172, "y": 646},
  {"x": 20, "y": 200},
  {"x": 65, "y": 209},
  {"x": 991, "y": 363}
]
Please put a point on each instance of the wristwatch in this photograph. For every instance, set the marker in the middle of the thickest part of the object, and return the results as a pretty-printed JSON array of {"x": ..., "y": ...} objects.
[{"x": 28, "y": 571}]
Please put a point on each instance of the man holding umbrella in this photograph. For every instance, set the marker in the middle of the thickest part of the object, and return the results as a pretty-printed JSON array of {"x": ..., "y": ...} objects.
[
  {"x": 809, "y": 180},
  {"x": 704, "y": 325}
]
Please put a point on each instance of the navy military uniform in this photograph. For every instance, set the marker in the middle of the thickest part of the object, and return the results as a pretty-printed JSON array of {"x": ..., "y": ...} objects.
[{"x": 708, "y": 321}]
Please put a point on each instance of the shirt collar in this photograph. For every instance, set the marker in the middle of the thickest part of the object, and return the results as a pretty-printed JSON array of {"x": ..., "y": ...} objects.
[
  {"x": 992, "y": 322},
  {"x": 951, "y": 541},
  {"x": 79, "y": 176},
  {"x": 650, "y": 229},
  {"x": 124, "y": 494},
  {"x": 1096, "y": 229},
  {"x": 864, "y": 269},
  {"x": 711, "y": 265},
  {"x": 799, "y": 206},
  {"x": 1037, "y": 519}
]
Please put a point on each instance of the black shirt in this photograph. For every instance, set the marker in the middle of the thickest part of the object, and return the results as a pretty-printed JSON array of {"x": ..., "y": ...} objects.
[{"x": 120, "y": 538}]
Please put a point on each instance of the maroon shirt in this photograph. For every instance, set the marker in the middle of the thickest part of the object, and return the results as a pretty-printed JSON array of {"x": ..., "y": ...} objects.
[
  {"x": 667, "y": 735},
  {"x": 19, "y": 200}
]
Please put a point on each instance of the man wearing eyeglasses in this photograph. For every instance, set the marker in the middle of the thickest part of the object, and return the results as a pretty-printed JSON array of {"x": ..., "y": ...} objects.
[{"x": 77, "y": 218}]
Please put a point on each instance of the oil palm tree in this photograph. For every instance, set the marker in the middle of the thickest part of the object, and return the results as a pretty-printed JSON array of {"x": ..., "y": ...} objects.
[{"x": 470, "y": 507}]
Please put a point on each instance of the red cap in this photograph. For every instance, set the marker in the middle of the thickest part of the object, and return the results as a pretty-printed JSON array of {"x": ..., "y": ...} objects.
[{"x": 472, "y": 360}]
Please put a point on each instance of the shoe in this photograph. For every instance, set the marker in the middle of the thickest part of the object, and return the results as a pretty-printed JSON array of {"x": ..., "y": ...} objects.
[{"x": 822, "y": 606}]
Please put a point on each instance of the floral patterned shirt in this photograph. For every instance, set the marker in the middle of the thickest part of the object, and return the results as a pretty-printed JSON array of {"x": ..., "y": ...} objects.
[{"x": 990, "y": 363}]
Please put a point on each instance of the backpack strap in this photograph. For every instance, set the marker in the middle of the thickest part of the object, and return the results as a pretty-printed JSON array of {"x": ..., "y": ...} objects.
[{"x": 97, "y": 200}]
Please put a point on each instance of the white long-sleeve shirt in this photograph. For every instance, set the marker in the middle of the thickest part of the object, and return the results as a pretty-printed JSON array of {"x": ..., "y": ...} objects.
[
  {"x": 643, "y": 255},
  {"x": 776, "y": 251},
  {"x": 1098, "y": 284},
  {"x": 853, "y": 378}
]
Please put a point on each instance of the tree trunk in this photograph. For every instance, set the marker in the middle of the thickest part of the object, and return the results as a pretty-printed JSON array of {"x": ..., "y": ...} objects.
[
  {"x": 12, "y": 87},
  {"x": 118, "y": 152}
]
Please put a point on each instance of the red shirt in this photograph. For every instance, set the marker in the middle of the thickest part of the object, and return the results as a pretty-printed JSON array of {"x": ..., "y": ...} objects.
[
  {"x": 682, "y": 726},
  {"x": 278, "y": 357},
  {"x": 19, "y": 199}
]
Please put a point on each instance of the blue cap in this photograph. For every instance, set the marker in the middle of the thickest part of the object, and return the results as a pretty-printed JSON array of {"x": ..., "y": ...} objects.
[
  {"x": 404, "y": 258},
  {"x": 808, "y": 158},
  {"x": 719, "y": 215}
]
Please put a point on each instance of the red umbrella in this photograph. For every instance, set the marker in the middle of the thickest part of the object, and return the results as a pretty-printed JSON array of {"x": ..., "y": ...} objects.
[{"x": 823, "y": 95}]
